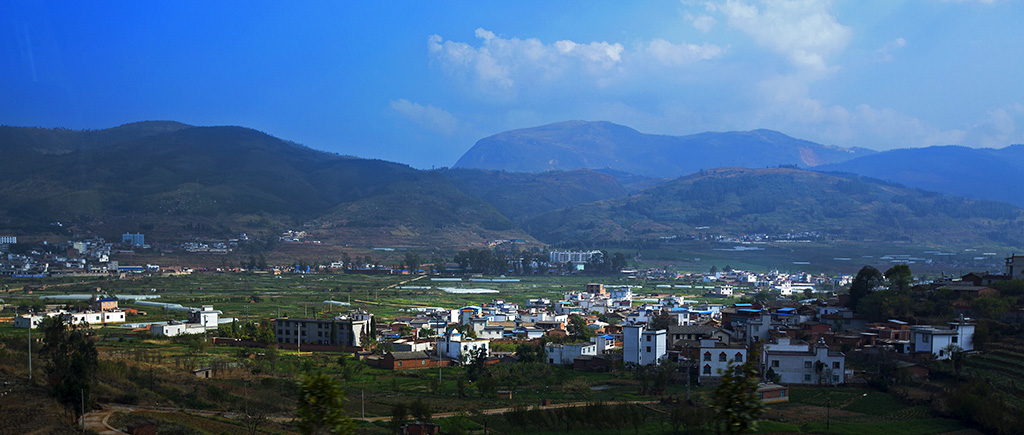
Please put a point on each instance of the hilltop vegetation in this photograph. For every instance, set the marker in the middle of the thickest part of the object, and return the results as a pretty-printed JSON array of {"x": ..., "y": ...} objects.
[{"x": 781, "y": 200}]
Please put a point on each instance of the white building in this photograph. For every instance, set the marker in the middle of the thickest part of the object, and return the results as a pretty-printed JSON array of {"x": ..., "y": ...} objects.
[
  {"x": 716, "y": 357},
  {"x": 643, "y": 347},
  {"x": 572, "y": 256},
  {"x": 174, "y": 329},
  {"x": 564, "y": 354},
  {"x": 207, "y": 317},
  {"x": 26, "y": 321},
  {"x": 938, "y": 340},
  {"x": 802, "y": 363},
  {"x": 455, "y": 345}
]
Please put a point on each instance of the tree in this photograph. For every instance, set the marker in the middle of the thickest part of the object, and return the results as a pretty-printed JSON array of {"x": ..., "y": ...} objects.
[
  {"x": 577, "y": 327},
  {"x": 399, "y": 415},
  {"x": 735, "y": 400},
  {"x": 866, "y": 280},
  {"x": 899, "y": 277},
  {"x": 71, "y": 361},
  {"x": 420, "y": 411},
  {"x": 321, "y": 406}
]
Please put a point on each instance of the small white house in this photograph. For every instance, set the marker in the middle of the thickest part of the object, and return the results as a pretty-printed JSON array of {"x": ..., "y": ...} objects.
[
  {"x": 175, "y": 329},
  {"x": 564, "y": 354},
  {"x": 939, "y": 340},
  {"x": 26, "y": 321}
]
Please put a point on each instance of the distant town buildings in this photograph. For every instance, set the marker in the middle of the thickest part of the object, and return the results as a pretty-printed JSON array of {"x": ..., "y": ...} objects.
[
  {"x": 137, "y": 239},
  {"x": 8, "y": 240},
  {"x": 572, "y": 256}
]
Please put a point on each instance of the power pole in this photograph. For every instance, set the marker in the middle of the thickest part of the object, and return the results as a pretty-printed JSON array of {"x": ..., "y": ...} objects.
[{"x": 30, "y": 345}]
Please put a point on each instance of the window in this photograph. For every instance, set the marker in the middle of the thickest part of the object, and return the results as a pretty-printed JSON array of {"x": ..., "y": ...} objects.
[
  {"x": 835, "y": 365},
  {"x": 707, "y": 356},
  {"x": 924, "y": 338},
  {"x": 954, "y": 338},
  {"x": 835, "y": 379},
  {"x": 775, "y": 363},
  {"x": 648, "y": 348},
  {"x": 722, "y": 357},
  {"x": 757, "y": 328},
  {"x": 399, "y": 363},
  {"x": 782, "y": 393},
  {"x": 739, "y": 357},
  {"x": 807, "y": 378},
  {"x": 707, "y": 369},
  {"x": 807, "y": 364},
  {"x": 648, "y": 338}
]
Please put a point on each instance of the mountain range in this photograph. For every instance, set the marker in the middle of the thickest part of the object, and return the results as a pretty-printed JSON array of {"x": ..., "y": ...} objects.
[
  {"x": 599, "y": 145},
  {"x": 178, "y": 182}
]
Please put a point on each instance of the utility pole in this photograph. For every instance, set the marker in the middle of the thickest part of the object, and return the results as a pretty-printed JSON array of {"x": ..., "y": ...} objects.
[
  {"x": 30, "y": 325},
  {"x": 362, "y": 402}
]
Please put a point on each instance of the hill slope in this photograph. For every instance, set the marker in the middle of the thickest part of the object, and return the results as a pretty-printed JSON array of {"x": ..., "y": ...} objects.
[
  {"x": 175, "y": 174},
  {"x": 735, "y": 201},
  {"x": 521, "y": 195},
  {"x": 996, "y": 174},
  {"x": 597, "y": 145}
]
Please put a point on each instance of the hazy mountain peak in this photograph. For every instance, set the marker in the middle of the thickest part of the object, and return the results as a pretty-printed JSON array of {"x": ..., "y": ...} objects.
[{"x": 578, "y": 144}]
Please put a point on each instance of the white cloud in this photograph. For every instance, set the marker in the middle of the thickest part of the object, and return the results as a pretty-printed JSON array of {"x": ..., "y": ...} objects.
[
  {"x": 703, "y": 23},
  {"x": 680, "y": 54},
  {"x": 430, "y": 117},
  {"x": 885, "y": 52},
  {"x": 502, "y": 67},
  {"x": 802, "y": 30}
]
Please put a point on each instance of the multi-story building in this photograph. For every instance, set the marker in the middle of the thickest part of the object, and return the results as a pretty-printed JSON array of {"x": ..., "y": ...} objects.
[
  {"x": 137, "y": 239},
  {"x": 572, "y": 256},
  {"x": 715, "y": 357},
  {"x": 802, "y": 363},
  {"x": 939, "y": 341},
  {"x": 339, "y": 331},
  {"x": 642, "y": 346}
]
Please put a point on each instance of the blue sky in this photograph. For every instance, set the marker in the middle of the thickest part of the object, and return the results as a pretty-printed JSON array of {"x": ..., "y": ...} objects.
[{"x": 420, "y": 82}]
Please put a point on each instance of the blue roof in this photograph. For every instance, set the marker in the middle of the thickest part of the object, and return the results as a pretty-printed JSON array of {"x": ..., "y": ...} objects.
[
  {"x": 749, "y": 310},
  {"x": 787, "y": 309},
  {"x": 607, "y": 337},
  {"x": 784, "y": 314}
]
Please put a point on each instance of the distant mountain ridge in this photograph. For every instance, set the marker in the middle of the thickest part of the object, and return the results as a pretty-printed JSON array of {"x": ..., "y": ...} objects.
[
  {"x": 165, "y": 175},
  {"x": 598, "y": 145},
  {"x": 995, "y": 174},
  {"x": 782, "y": 200},
  {"x": 178, "y": 182}
]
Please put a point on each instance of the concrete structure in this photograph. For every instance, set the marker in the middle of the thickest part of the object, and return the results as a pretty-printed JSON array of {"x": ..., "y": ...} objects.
[
  {"x": 801, "y": 363},
  {"x": 206, "y": 316},
  {"x": 455, "y": 345},
  {"x": 938, "y": 340},
  {"x": 565, "y": 354},
  {"x": 715, "y": 357},
  {"x": 174, "y": 329},
  {"x": 8, "y": 240},
  {"x": 137, "y": 239},
  {"x": 572, "y": 256},
  {"x": 339, "y": 331},
  {"x": 1015, "y": 266},
  {"x": 87, "y": 317},
  {"x": 26, "y": 321},
  {"x": 642, "y": 346}
]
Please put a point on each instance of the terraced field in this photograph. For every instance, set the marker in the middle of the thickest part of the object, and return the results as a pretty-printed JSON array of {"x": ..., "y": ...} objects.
[{"x": 1003, "y": 367}]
